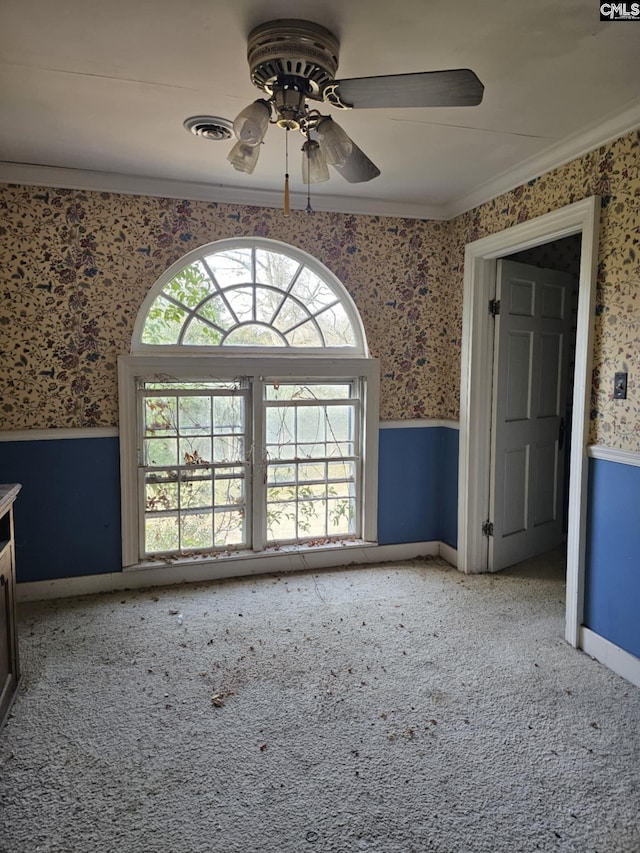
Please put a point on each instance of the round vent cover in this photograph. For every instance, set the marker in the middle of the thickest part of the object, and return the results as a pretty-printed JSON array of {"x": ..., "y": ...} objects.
[{"x": 210, "y": 127}]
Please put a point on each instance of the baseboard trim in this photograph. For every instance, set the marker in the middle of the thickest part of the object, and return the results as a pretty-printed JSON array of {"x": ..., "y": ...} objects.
[
  {"x": 448, "y": 553},
  {"x": 620, "y": 661},
  {"x": 55, "y": 434},
  {"x": 193, "y": 572}
]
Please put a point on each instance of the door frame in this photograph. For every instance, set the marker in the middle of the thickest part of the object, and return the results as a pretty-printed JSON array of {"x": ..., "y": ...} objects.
[{"x": 582, "y": 217}]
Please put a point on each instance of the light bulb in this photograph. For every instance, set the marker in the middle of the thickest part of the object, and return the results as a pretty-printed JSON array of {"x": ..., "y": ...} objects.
[
  {"x": 244, "y": 157},
  {"x": 314, "y": 165},
  {"x": 334, "y": 142},
  {"x": 251, "y": 124}
]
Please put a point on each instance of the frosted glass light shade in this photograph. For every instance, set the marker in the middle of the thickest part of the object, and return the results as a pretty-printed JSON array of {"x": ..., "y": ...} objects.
[
  {"x": 334, "y": 142},
  {"x": 244, "y": 157},
  {"x": 314, "y": 165},
  {"x": 251, "y": 124}
]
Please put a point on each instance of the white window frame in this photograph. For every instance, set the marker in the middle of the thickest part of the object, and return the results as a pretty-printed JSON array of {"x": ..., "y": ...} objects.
[
  {"x": 184, "y": 363},
  {"x": 221, "y": 367},
  {"x": 302, "y": 258}
]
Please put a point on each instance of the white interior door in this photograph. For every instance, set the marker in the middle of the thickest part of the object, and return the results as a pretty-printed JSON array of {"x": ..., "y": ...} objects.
[{"x": 533, "y": 330}]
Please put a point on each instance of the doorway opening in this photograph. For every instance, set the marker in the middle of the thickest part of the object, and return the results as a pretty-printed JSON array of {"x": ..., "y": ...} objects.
[
  {"x": 535, "y": 312},
  {"x": 475, "y": 462}
]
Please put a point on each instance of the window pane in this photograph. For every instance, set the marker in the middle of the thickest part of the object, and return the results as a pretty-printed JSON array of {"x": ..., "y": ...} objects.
[
  {"x": 196, "y": 530},
  {"x": 160, "y": 415},
  {"x": 229, "y": 488},
  {"x": 336, "y": 327},
  {"x": 340, "y": 423},
  {"x": 237, "y": 287},
  {"x": 281, "y": 426},
  {"x": 161, "y": 534},
  {"x": 241, "y": 302},
  {"x": 290, "y": 315},
  {"x": 161, "y": 493},
  {"x": 312, "y": 291},
  {"x": 311, "y": 518},
  {"x": 307, "y": 472},
  {"x": 164, "y": 323},
  {"x": 160, "y": 451},
  {"x": 228, "y": 448},
  {"x": 232, "y": 267},
  {"x": 311, "y": 423},
  {"x": 267, "y": 303},
  {"x": 229, "y": 528},
  {"x": 228, "y": 414},
  {"x": 309, "y": 391},
  {"x": 195, "y": 415},
  {"x": 195, "y": 450},
  {"x": 253, "y": 335},
  {"x": 195, "y": 490},
  {"x": 281, "y": 517},
  {"x": 190, "y": 286},
  {"x": 275, "y": 269},
  {"x": 305, "y": 336},
  {"x": 215, "y": 310},
  {"x": 281, "y": 474},
  {"x": 342, "y": 515},
  {"x": 201, "y": 335}
]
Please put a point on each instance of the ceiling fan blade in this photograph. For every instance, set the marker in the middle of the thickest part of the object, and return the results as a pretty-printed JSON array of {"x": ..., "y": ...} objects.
[
  {"x": 357, "y": 168},
  {"x": 455, "y": 88}
]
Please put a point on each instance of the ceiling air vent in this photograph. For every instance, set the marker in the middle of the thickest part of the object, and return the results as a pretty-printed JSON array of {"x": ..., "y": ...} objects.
[{"x": 210, "y": 127}]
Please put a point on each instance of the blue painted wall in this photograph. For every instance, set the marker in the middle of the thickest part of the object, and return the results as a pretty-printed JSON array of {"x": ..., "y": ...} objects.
[
  {"x": 67, "y": 515},
  {"x": 612, "y": 582},
  {"x": 418, "y": 485}
]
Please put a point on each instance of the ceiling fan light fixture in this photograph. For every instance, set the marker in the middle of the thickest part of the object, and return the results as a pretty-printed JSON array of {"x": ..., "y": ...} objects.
[
  {"x": 314, "y": 165},
  {"x": 334, "y": 142},
  {"x": 243, "y": 156},
  {"x": 251, "y": 124},
  {"x": 290, "y": 102}
]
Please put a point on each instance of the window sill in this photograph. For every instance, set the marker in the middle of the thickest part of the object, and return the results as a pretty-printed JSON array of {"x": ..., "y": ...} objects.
[{"x": 288, "y": 553}]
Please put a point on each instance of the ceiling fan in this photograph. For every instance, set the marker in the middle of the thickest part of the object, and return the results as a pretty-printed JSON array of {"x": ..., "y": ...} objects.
[{"x": 295, "y": 62}]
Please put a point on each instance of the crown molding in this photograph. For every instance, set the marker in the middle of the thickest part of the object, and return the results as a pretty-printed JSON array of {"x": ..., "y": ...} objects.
[
  {"x": 110, "y": 182},
  {"x": 569, "y": 148}
]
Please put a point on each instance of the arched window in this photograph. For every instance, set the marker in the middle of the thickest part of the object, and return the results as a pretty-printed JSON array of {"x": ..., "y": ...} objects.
[
  {"x": 248, "y": 409},
  {"x": 249, "y": 293}
]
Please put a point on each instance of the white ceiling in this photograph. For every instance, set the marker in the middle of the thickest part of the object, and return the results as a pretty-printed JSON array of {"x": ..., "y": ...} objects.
[{"x": 104, "y": 87}]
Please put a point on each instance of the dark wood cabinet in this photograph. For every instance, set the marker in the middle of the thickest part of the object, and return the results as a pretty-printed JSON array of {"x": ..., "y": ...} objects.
[{"x": 9, "y": 662}]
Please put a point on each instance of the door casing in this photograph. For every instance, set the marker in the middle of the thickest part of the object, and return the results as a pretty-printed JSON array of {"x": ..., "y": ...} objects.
[{"x": 583, "y": 218}]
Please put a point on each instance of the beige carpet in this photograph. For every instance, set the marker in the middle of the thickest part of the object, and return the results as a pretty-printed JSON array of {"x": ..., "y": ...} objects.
[{"x": 402, "y": 708}]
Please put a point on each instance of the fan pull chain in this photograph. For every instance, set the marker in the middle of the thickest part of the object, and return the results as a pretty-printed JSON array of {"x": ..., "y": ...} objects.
[
  {"x": 308, "y": 208},
  {"x": 287, "y": 209}
]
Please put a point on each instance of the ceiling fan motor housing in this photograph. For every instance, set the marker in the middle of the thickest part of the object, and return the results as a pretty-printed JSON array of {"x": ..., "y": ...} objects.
[{"x": 292, "y": 48}]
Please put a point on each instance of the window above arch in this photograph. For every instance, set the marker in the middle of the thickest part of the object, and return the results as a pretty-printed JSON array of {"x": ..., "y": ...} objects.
[{"x": 251, "y": 293}]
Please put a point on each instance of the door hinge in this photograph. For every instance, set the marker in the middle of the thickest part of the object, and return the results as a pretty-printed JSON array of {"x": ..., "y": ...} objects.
[
  {"x": 487, "y": 528},
  {"x": 494, "y": 307}
]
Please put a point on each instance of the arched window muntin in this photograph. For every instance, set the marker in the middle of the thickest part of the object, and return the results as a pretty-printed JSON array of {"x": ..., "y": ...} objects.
[{"x": 200, "y": 259}]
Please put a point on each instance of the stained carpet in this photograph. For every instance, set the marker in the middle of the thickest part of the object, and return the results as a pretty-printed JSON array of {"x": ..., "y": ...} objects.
[{"x": 401, "y": 708}]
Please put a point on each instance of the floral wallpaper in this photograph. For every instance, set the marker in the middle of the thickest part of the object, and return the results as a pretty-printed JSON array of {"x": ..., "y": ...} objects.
[
  {"x": 612, "y": 172},
  {"x": 75, "y": 267}
]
